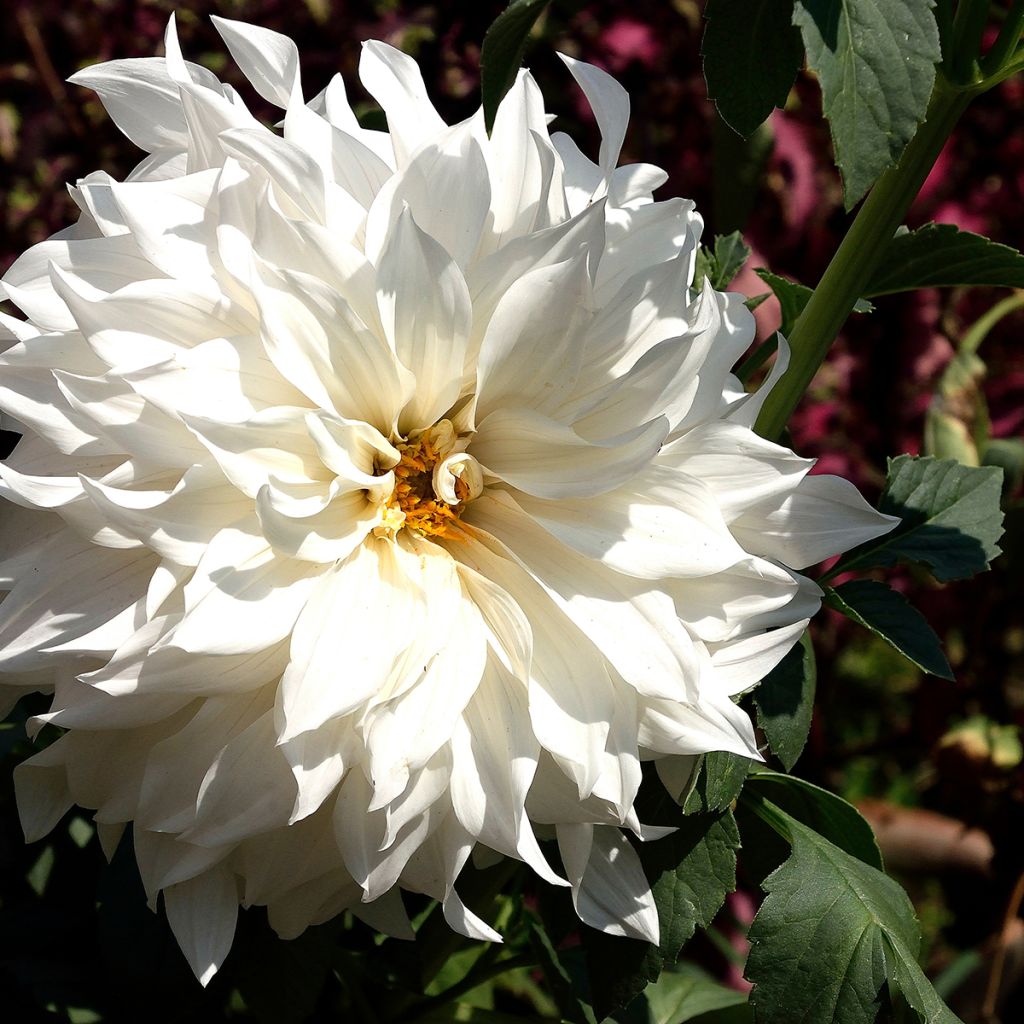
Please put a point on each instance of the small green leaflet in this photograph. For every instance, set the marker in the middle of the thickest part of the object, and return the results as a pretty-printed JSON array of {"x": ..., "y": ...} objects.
[
  {"x": 793, "y": 297},
  {"x": 950, "y": 515},
  {"x": 888, "y": 614},
  {"x": 784, "y": 700},
  {"x": 830, "y": 934},
  {"x": 876, "y": 63},
  {"x": 502, "y": 51},
  {"x": 752, "y": 53},
  {"x": 943, "y": 256},
  {"x": 722, "y": 263}
]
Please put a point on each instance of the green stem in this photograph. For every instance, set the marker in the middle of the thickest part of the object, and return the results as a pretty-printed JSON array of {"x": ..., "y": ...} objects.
[
  {"x": 1006, "y": 42},
  {"x": 859, "y": 255},
  {"x": 981, "y": 327},
  {"x": 479, "y": 975},
  {"x": 968, "y": 28}
]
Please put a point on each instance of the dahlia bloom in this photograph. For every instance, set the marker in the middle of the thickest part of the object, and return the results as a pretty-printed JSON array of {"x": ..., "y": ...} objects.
[{"x": 383, "y": 498}]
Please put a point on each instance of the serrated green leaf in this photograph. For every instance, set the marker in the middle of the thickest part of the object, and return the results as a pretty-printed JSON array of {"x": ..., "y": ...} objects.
[
  {"x": 752, "y": 53},
  {"x": 829, "y": 815},
  {"x": 832, "y": 931},
  {"x": 691, "y": 871},
  {"x": 888, "y": 614},
  {"x": 718, "y": 782},
  {"x": 685, "y": 992},
  {"x": 502, "y": 52},
  {"x": 721, "y": 264},
  {"x": 793, "y": 296},
  {"x": 784, "y": 700},
  {"x": 943, "y": 256},
  {"x": 951, "y": 520},
  {"x": 875, "y": 60}
]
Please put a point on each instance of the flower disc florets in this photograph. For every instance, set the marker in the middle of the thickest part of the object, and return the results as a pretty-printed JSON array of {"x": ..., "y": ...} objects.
[
  {"x": 433, "y": 481},
  {"x": 383, "y": 497}
]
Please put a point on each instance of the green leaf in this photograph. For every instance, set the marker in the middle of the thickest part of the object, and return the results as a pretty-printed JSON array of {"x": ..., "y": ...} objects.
[
  {"x": 943, "y": 256},
  {"x": 830, "y": 934},
  {"x": 502, "y": 53},
  {"x": 888, "y": 614},
  {"x": 830, "y": 815},
  {"x": 876, "y": 63},
  {"x": 723, "y": 263},
  {"x": 690, "y": 872},
  {"x": 793, "y": 297},
  {"x": 684, "y": 992},
  {"x": 784, "y": 700},
  {"x": 950, "y": 515},
  {"x": 718, "y": 782},
  {"x": 752, "y": 53},
  {"x": 559, "y": 981}
]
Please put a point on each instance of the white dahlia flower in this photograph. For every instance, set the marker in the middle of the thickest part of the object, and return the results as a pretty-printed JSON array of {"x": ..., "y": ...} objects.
[{"x": 383, "y": 497}]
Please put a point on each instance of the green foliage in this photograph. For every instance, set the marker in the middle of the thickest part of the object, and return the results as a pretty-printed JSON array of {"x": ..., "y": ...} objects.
[
  {"x": 889, "y": 615},
  {"x": 684, "y": 993},
  {"x": 793, "y": 297},
  {"x": 503, "y": 49},
  {"x": 718, "y": 782},
  {"x": 943, "y": 256},
  {"x": 830, "y": 815},
  {"x": 722, "y": 263},
  {"x": 785, "y": 702},
  {"x": 950, "y": 516},
  {"x": 875, "y": 60},
  {"x": 830, "y": 934},
  {"x": 752, "y": 53}
]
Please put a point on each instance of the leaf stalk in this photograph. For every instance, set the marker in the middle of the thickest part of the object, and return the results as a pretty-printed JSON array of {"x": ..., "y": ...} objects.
[{"x": 860, "y": 253}]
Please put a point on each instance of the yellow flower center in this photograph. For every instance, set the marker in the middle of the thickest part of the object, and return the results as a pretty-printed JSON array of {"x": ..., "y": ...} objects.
[{"x": 414, "y": 503}]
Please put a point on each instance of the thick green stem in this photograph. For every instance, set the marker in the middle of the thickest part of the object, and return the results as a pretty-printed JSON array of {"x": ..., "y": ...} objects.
[
  {"x": 968, "y": 28},
  {"x": 859, "y": 255}
]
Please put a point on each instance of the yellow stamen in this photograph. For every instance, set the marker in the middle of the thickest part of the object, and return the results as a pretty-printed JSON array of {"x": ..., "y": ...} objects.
[{"x": 413, "y": 503}]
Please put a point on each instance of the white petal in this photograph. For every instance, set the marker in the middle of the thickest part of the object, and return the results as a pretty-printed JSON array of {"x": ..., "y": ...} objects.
[
  {"x": 425, "y": 309},
  {"x": 243, "y": 598},
  {"x": 609, "y": 888},
  {"x": 547, "y": 459},
  {"x": 740, "y": 468},
  {"x": 821, "y": 516},
  {"x": 175, "y": 767},
  {"x": 394, "y": 81},
  {"x": 143, "y": 100},
  {"x": 446, "y": 187},
  {"x": 41, "y": 789},
  {"x": 349, "y": 638},
  {"x": 661, "y": 524},
  {"x": 247, "y": 790},
  {"x": 635, "y": 628},
  {"x": 533, "y": 349},
  {"x": 202, "y": 913},
  {"x": 739, "y": 664},
  {"x": 610, "y": 104},
  {"x": 268, "y": 59},
  {"x": 494, "y": 760}
]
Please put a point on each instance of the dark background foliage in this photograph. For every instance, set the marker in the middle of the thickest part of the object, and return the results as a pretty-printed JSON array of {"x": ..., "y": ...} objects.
[{"x": 928, "y": 759}]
